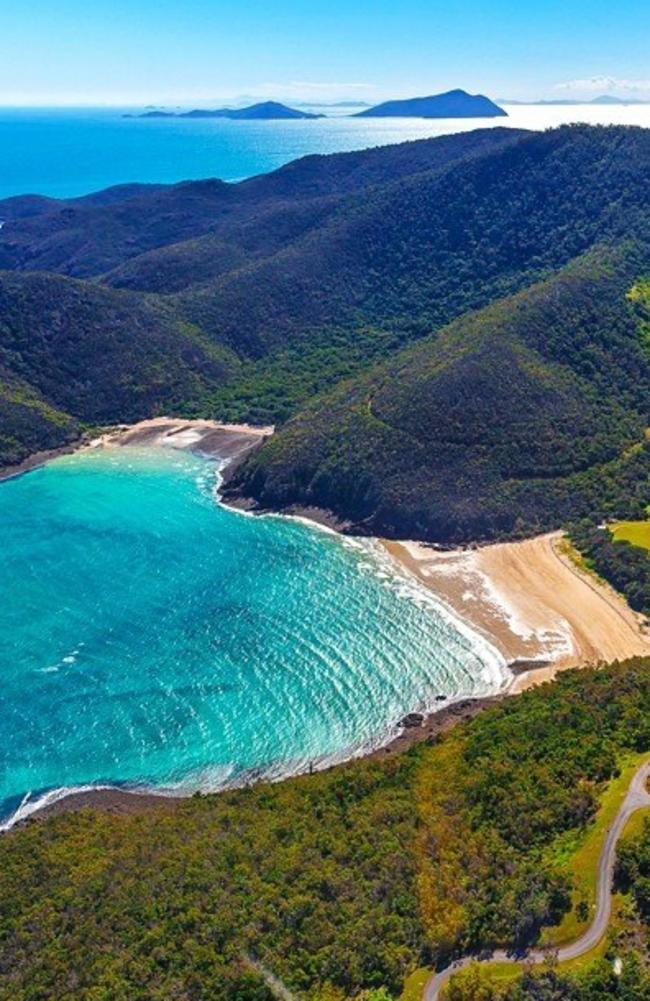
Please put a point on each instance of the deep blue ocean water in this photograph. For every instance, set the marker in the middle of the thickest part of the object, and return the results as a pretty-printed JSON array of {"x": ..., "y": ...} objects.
[
  {"x": 148, "y": 635},
  {"x": 64, "y": 153}
]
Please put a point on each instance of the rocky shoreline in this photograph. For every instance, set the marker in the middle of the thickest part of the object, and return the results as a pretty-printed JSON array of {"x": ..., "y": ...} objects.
[{"x": 414, "y": 728}]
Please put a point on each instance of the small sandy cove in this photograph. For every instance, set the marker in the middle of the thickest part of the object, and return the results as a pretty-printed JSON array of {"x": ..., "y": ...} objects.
[
  {"x": 210, "y": 437},
  {"x": 539, "y": 609},
  {"x": 535, "y": 605}
]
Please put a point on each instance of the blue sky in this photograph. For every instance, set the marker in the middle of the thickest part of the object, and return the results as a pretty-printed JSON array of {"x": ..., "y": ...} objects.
[{"x": 157, "y": 51}]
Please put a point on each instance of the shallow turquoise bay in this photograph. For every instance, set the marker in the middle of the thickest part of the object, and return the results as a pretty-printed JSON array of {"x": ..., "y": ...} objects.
[{"x": 150, "y": 636}]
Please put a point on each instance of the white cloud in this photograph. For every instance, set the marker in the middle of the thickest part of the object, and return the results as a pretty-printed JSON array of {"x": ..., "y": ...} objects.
[{"x": 613, "y": 85}]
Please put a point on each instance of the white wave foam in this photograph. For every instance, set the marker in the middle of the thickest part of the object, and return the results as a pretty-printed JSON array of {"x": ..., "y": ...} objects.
[
  {"x": 30, "y": 806},
  {"x": 496, "y": 675}
]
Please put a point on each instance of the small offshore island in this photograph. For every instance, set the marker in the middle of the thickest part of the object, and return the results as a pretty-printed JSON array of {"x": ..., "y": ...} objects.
[
  {"x": 453, "y": 104},
  {"x": 264, "y": 111}
]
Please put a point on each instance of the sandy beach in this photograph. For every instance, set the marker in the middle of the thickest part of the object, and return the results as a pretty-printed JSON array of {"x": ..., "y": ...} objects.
[
  {"x": 225, "y": 441},
  {"x": 536, "y": 606}
]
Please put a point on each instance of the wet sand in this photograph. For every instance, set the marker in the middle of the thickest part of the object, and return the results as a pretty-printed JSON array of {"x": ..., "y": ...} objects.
[
  {"x": 224, "y": 441},
  {"x": 532, "y": 602}
]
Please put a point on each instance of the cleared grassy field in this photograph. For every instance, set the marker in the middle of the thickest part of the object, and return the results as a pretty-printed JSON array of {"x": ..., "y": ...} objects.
[{"x": 636, "y": 532}]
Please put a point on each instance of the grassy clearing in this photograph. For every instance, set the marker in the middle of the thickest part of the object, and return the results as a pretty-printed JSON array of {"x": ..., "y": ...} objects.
[
  {"x": 636, "y": 532},
  {"x": 414, "y": 984},
  {"x": 634, "y": 826}
]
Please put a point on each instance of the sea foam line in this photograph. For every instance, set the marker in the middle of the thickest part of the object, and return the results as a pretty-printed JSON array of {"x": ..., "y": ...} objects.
[
  {"x": 498, "y": 676},
  {"x": 406, "y": 585},
  {"x": 30, "y": 806}
]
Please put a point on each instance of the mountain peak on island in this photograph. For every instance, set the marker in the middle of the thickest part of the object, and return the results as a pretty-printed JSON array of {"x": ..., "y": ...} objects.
[
  {"x": 264, "y": 111},
  {"x": 452, "y": 104}
]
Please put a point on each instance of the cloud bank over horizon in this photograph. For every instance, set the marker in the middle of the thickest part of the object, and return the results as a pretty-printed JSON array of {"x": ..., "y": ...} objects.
[{"x": 609, "y": 85}]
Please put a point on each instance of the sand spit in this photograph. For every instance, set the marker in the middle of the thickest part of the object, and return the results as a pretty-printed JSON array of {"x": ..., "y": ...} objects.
[{"x": 537, "y": 607}]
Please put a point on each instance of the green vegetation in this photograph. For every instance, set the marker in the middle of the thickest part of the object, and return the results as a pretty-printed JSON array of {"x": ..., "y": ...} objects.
[
  {"x": 298, "y": 298},
  {"x": 511, "y": 420},
  {"x": 617, "y": 967},
  {"x": 454, "y": 337},
  {"x": 78, "y": 353},
  {"x": 337, "y": 883},
  {"x": 621, "y": 562},
  {"x": 637, "y": 533},
  {"x": 28, "y": 423},
  {"x": 578, "y": 856}
]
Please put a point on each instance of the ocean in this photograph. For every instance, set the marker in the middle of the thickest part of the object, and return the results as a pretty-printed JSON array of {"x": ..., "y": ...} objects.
[
  {"x": 69, "y": 152},
  {"x": 151, "y": 637}
]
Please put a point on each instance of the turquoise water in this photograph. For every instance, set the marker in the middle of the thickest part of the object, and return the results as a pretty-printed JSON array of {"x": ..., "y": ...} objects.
[
  {"x": 71, "y": 152},
  {"x": 150, "y": 636}
]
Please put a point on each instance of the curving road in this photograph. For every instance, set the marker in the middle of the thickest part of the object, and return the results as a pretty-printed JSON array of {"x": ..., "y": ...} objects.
[{"x": 637, "y": 797}]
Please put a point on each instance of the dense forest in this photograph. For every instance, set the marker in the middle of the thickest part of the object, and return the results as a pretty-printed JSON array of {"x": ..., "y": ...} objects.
[
  {"x": 513, "y": 419},
  {"x": 452, "y": 337},
  {"x": 388, "y": 309},
  {"x": 601, "y": 980},
  {"x": 337, "y": 884}
]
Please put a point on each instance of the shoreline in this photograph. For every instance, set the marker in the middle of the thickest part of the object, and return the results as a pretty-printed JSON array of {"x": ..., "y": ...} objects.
[
  {"x": 123, "y": 801},
  {"x": 525, "y": 598},
  {"x": 217, "y": 439},
  {"x": 530, "y": 600}
]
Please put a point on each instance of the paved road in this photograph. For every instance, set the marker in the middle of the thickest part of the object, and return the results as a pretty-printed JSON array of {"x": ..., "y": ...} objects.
[{"x": 636, "y": 798}]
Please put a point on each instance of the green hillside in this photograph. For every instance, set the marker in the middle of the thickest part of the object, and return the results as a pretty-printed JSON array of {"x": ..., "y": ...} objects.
[
  {"x": 74, "y": 352},
  {"x": 250, "y": 301},
  {"x": 89, "y": 236},
  {"x": 28, "y": 423},
  {"x": 418, "y": 252},
  {"x": 512, "y": 419},
  {"x": 336, "y": 883}
]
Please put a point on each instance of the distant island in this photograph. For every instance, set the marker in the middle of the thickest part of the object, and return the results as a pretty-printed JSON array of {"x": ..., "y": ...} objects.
[
  {"x": 332, "y": 104},
  {"x": 604, "y": 99},
  {"x": 265, "y": 111},
  {"x": 452, "y": 104}
]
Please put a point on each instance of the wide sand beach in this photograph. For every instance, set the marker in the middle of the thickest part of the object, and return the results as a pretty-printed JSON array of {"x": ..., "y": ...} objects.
[{"x": 534, "y": 603}]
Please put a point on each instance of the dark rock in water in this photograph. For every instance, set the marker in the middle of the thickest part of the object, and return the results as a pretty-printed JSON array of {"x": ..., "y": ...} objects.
[
  {"x": 412, "y": 719},
  {"x": 441, "y": 698}
]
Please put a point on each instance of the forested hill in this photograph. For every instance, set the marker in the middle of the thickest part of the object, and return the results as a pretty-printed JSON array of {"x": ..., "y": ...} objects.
[
  {"x": 247, "y": 301},
  {"x": 513, "y": 419},
  {"x": 89, "y": 236},
  {"x": 452, "y": 104}
]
